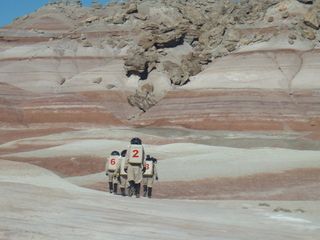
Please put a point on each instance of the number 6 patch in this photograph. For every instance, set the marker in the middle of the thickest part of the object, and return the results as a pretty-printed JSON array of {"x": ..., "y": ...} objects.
[{"x": 113, "y": 163}]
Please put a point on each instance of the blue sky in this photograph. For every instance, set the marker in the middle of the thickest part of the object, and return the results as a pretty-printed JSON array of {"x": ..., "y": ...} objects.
[{"x": 10, "y": 9}]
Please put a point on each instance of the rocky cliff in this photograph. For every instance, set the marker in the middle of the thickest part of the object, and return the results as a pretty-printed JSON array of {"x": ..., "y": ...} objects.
[{"x": 218, "y": 65}]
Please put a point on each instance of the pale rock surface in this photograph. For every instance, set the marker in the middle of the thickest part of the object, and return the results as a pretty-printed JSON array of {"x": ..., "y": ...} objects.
[{"x": 81, "y": 213}]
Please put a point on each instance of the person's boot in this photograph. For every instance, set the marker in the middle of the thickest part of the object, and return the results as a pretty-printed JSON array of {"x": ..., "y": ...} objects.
[
  {"x": 145, "y": 190},
  {"x": 123, "y": 191},
  {"x": 149, "y": 192},
  {"x": 137, "y": 190},
  {"x": 115, "y": 188},
  {"x": 131, "y": 190},
  {"x": 110, "y": 187}
]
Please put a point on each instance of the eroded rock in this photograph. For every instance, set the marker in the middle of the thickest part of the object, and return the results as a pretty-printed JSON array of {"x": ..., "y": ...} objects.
[
  {"x": 306, "y": 1},
  {"x": 132, "y": 8},
  {"x": 142, "y": 100},
  {"x": 140, "y": 62},
  {"x": 311, "y": 19}
]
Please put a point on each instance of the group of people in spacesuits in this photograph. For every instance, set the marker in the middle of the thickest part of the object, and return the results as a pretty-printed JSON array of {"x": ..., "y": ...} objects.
[{"x": 130, "y": 169}]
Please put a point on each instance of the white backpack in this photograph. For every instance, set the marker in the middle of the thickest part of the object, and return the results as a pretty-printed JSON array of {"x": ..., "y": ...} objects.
[
  {"x": 112, "y": 163},
  {"x": 149, "y": 168},
  {"x": 136, "y": 154}
]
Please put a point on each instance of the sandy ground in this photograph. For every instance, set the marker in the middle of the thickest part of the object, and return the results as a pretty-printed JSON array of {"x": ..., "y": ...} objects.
[
  {"x": 82, "y": 214},
  {"x": 292, "y": 185},
  {"x": 186, "y": 170},
  {"x": 261, "y": 103}
]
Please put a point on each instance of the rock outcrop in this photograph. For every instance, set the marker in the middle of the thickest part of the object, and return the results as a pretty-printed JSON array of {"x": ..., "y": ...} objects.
[
  {"x": 306, "y": 1},
  {"x": 311, "y": 19},
  {"x": 192, "y": 45}
]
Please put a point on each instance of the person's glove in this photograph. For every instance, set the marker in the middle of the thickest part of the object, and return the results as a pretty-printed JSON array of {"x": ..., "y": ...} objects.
[
  {"x": 107, "y": 174},
  {"x": 157, "y": 178}
]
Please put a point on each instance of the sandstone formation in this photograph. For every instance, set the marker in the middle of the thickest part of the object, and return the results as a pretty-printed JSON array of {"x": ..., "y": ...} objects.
[
  {"x": 226, "y": 94},
  {"x": 88, "y": 54}
]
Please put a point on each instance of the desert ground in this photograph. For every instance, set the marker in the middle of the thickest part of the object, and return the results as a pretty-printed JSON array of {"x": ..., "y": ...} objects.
[
  {"x": 225, "y": 94},
  {"x": 53, "y": 187}
]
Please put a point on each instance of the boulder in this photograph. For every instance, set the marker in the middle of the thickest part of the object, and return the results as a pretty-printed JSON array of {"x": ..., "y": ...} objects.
[
  {"x": 311, "y": 19},
  {"x": 193, "y": 15},
  {"x": 213, "y": 37},
  {"x": 97, "y": 80},
  {"x": 191, "y": 65},
  {"x": 147, "y": 88},
  {"x": 205, "y": 57},
  {"x": 142, "y": 100},
  {"x": 135, "y": 62},
  {"x": 91, "y": 19},
  {"x": 139, "y": 62},
  {"x": 146, "y": 41},
  {"x": 191, "y": 62},
  {"x": 87, "y": 44},
  {"x": 232, "y": 35},
  {"x": 309, "y": 34},
  {"x": 306, "y": 1},
  {"x": 270, "y": 19},
  {"x": 119, "y": 18},
  {"x": 110, "y": 86},
  {"x": 62, "y": 81},
  {"x": 140, "y": 17},
  {"x": 177, "y": 75},
  {"x": 122, "y": 44},
  {"x": 132, "y": 8},
  {"x": 192, "y": 34},
  {"x": 285, "y": 15},
  {"x": 292, "y": 36},
  {"x": 169, "y": 39},
  {"x": 230, "y": 46}
]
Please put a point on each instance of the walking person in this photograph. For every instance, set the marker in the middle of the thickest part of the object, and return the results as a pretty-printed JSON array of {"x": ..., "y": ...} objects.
[
  {"x": 111, "y": 166},
  {"x": 121, "y": 173},
  {"x": 150, "y": 174},
  {"x": 134, "y": 166}
]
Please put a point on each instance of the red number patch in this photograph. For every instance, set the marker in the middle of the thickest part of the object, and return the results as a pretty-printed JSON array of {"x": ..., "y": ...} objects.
[
  {"x": 113, "y": 161},
  {"x": 135, "y": 153},
  {"x": 147, "y": 166}
]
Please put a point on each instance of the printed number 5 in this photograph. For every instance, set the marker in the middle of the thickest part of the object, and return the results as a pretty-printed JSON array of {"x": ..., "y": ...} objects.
[{"x": 135, "y": 153}]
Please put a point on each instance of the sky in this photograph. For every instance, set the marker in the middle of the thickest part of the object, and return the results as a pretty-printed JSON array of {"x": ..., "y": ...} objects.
[{"x": 10, "y": 9}]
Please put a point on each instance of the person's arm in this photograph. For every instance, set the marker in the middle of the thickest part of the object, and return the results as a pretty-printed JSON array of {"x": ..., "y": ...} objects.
[
  {"x": 118, "y": 166},
  {"x": 126, "y": 163},
  {"x": 143, "y": 164},
  {"x": 155, "y": 171},
  {"x": 143, "y": 157},
  {"x": 107, "y": 167}
]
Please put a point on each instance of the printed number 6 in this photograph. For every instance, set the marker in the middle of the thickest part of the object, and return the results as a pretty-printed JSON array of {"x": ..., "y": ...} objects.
[
  {"x": 135, "y": 153},
  {"x": 113, "y": 161}
]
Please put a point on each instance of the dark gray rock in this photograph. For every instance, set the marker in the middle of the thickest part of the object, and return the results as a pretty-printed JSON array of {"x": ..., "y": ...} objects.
[{"x": 306, "y": 1}]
